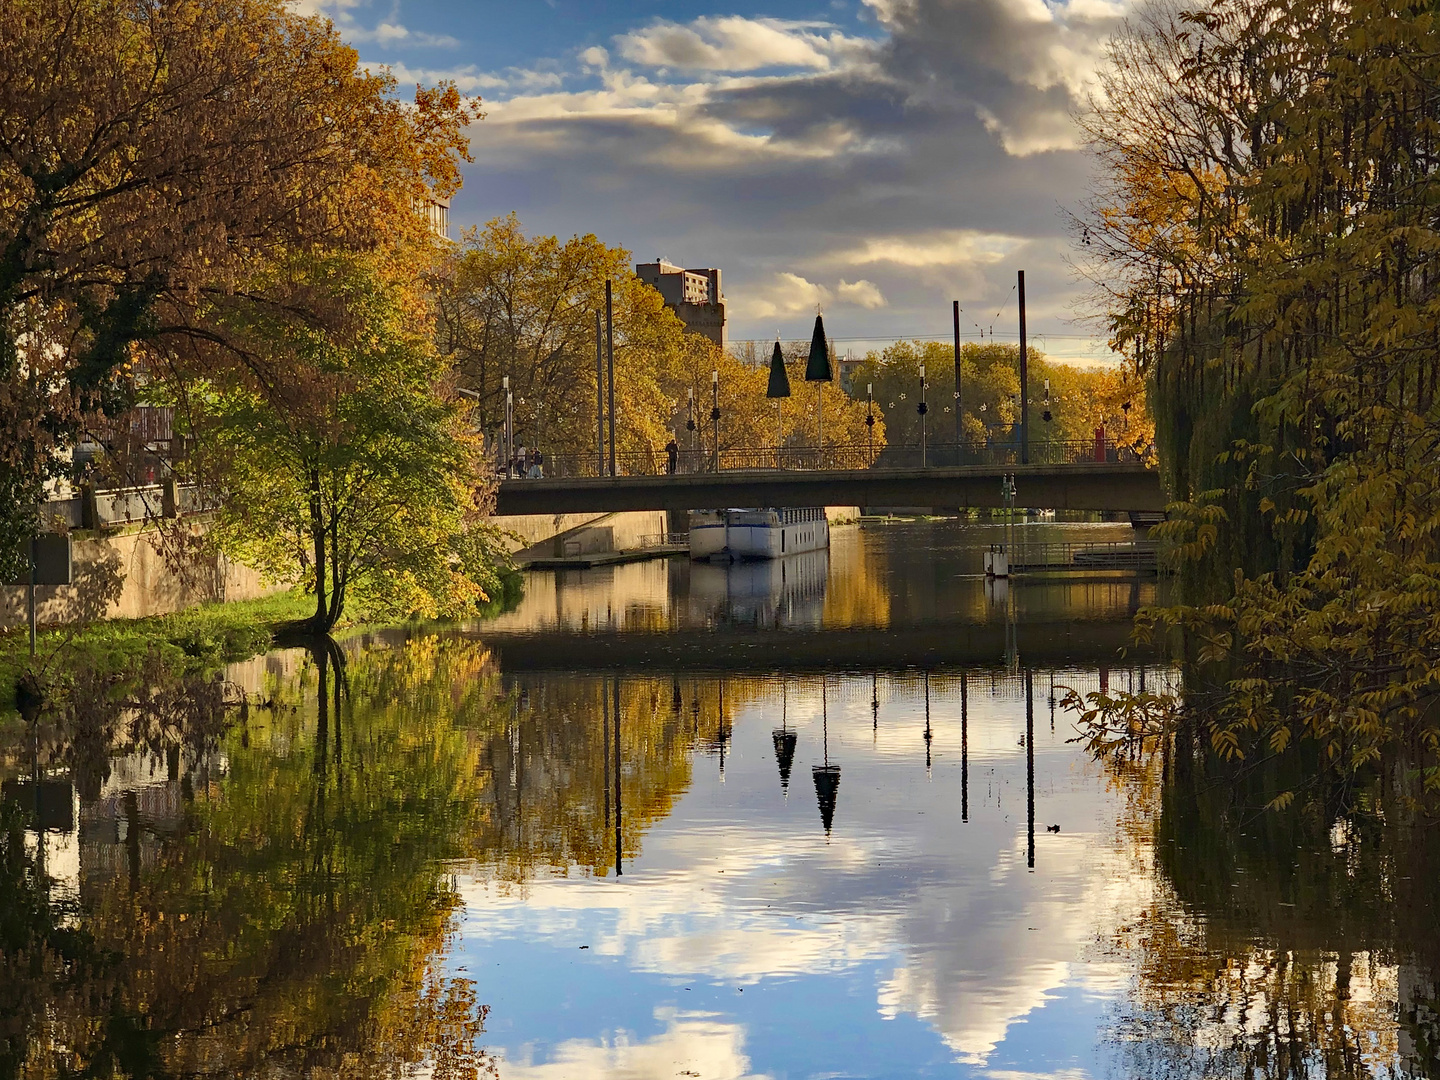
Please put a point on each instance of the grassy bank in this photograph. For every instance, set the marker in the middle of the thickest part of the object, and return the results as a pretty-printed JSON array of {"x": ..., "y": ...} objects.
[
  {"x": 184, "y": 643},
  {"x": 192, "y": 640}
]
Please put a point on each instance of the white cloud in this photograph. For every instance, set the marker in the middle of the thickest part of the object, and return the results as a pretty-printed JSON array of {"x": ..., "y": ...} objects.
[
  {"x": 1042, "y": 131},
  {"x": 387, "y": 32},
  {"x": 699, "y": 1043},
  {"x": 469, "y": 79},
  {"x": 942, "y": 248},
  {"x": 690, "y": 135},
  {"x": 786, "y": 294},
  {"x": 790, "y": 294},
  {"x": 862, "y": 293},
  {"x": 594, "y": 57},
  {"x": 733, "y": 43}
]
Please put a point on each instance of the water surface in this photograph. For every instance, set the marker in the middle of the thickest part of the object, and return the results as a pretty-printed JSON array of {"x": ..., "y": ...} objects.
[{"x": 814, "y": 820}]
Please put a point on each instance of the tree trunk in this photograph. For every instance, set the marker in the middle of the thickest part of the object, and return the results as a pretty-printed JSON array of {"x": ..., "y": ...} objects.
[
  {"x": 337, "y": 589},
  {"x": 320, "y": 623}
]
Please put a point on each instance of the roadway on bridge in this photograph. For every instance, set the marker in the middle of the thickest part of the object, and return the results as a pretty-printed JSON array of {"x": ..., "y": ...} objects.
[{"x": 1084, "y": 486}]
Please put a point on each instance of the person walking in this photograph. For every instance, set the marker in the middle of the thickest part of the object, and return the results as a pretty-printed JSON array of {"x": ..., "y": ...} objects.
[
  {"x": 537, "y": 464},
  {"x": 672, "y": 454}
]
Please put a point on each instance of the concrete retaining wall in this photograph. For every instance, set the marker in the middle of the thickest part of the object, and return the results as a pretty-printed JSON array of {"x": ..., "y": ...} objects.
[
  {"x": 544, "y": 535},
  {"x": 125, "y": 576}
]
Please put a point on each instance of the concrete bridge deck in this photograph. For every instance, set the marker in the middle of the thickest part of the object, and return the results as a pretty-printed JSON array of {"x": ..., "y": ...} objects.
[{"x": 1080, "y": 486}]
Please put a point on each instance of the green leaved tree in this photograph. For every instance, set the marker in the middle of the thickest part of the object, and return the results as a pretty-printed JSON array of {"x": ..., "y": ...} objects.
[{"x": 348, "y": 462}]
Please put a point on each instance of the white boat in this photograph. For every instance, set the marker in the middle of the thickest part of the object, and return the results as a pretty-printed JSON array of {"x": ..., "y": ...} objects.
[
  {"x": 757, "y": 534},
  {"x": 788, "y": 592}
]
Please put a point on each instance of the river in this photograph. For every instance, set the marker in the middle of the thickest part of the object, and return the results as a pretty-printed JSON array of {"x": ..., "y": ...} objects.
[{"x": 825, "y": 818}]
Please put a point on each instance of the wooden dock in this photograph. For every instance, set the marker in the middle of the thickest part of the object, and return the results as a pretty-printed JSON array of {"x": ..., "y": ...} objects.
[{"x": 1088, "y": 558}]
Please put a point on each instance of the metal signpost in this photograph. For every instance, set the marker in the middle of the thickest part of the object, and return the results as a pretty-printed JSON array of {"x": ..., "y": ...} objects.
[{"x": 50, "y": 563}]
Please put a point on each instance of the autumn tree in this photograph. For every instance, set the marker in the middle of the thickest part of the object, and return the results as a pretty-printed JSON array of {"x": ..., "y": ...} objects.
[
  {"x": 511, "y": 305},
  {"x": 297, "y": 912},
  {"x": 751, "y": 423},
  {"x": 1264, "y": 236},
  {"x": 150, "y": 153},
  {"x": 1080, "y": 398},
  {"x": 508, "y": 305},
  {"x": 349, "y": 463}
]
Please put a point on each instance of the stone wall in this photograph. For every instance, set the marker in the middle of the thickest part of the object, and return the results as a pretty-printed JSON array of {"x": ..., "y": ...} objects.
[{"x": 125, "y": 576}]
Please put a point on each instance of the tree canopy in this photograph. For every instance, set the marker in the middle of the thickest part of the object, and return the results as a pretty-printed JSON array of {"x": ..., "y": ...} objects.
[
  {"x": 1080, "y": 398},
  {"x": 151, "y": 153},
  {"x": 348, "y": 461},
  {"x": 524, "y": 307}
]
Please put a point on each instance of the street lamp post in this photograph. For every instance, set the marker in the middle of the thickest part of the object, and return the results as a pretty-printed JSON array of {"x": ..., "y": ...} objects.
[
  {"x": 509, "y": 426},
  {"x": 715, "y": 413},
  {"x": 690, "y": 422},
  {"x": 870, "y": 423},
  {"x": 922, "y": 409}
]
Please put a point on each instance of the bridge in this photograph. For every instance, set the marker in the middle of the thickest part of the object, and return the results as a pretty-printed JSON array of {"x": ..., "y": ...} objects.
[{"x": 1073, "y": 485}]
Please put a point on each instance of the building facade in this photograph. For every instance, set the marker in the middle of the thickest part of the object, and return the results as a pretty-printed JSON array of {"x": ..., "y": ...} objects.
[{"x": 694, "y": 295}]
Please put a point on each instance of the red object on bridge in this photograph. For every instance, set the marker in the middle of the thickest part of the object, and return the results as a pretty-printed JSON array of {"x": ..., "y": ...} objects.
[{"x": 1100, "y": 444}]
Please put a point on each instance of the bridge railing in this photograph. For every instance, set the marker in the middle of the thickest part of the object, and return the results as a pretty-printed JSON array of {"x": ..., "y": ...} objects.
[
  {"x": 1079, "y": 555},
  {"x": 841, "y": 456}
]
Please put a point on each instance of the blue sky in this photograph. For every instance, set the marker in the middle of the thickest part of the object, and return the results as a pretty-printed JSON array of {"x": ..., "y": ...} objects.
[{"x": 878, "y": 158}]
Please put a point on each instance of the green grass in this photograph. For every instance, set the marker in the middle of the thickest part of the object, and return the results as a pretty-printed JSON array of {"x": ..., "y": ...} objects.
[
  {"x": 195, "y": 640},
  {"x": 192, "y": 640}
]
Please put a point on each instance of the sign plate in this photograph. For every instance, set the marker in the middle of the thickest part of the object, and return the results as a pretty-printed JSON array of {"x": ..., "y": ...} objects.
[{"x": 52, "y": 561}]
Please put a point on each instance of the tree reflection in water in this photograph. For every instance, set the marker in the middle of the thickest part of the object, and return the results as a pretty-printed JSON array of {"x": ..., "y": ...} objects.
[
  {"x": 1280, "y": 943},
  {"x": 279, "y": 906},
  {"x": 277, "y": 899}
]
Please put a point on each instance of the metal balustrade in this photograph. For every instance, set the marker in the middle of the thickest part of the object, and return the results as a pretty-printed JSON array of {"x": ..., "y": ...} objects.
[
  {"x": 1081, "y": 555},
  {"x": 839, "y": 456},
  {"x": 108, "y": 507}
]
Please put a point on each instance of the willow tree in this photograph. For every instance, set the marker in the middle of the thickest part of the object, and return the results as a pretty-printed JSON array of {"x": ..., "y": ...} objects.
[{"x": 1266, "y": 229}]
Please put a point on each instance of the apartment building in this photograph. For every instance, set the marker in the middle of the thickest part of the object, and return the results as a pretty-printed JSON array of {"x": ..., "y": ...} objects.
[{"x": 694, "y": 295}]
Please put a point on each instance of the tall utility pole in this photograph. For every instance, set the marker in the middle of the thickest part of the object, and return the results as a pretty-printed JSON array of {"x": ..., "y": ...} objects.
[
  {"x": 1024, "y": 379},
  {"x": 715, "y": 412},
  {"x": 959, "y": 427},
  {"x": 610, "y": 363},
  {"x": 599, "y": 397}
]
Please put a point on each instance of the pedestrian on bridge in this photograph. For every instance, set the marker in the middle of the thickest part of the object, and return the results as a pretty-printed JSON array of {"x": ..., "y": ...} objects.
[{"x": 672, "y": 455}]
